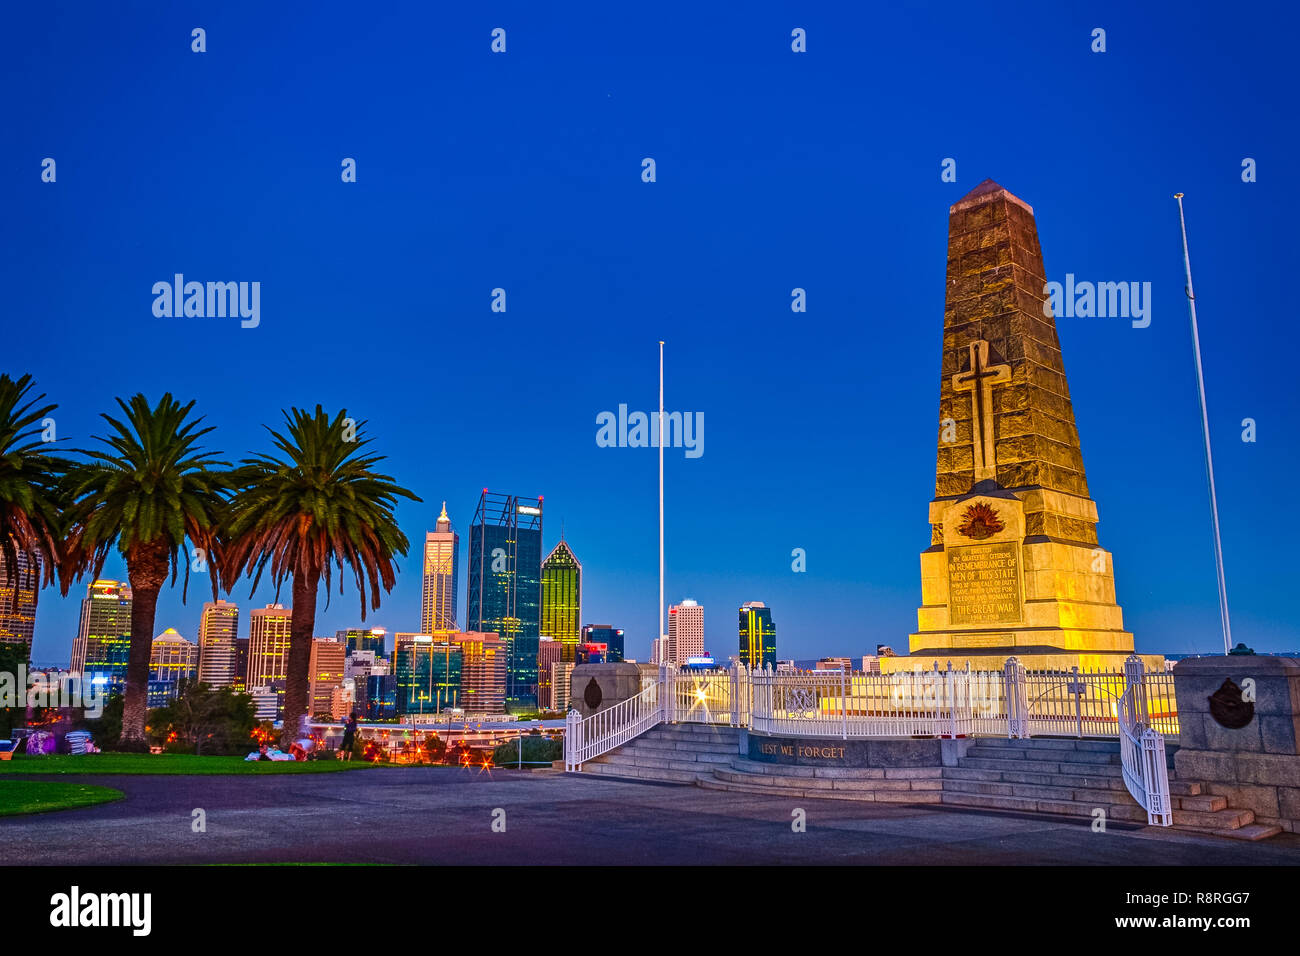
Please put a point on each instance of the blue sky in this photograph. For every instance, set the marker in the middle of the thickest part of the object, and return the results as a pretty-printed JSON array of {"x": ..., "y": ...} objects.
[{"x": 775, "y": 170}]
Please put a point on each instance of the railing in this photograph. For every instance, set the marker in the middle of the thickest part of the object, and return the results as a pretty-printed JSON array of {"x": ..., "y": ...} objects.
[
  {"x": 1011, "y": 702},
  {"x": 706, "y": 697},
  {"x": 586, "y": 738},
  {"x": 1142, "y": 752},
  {"x": 1085, "y": 703}
]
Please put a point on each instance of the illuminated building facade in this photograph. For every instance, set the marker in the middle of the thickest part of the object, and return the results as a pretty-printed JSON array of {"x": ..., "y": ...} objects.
[
  {"x": 685, "y": 631},
  {"x": 268, "y": 648},
  {"x": 381, "y": 697},
  {"x": 549, "y": 651},
  {"x": 757, "y": 635},
  {"x": 561, "y": 678},
  {"x": 219, "y": 644},
  {"x": 428, "y": 672},
  {"x": 363, "y": 639},
  {"x": 484, "y": 672},
  {"x": 173, "y": 662},
  {"x": 562, "y": 598},
  {"x": 103, "y": 642},
  {"x": 593, "y": 653},
  {"x": 505, "y": 585},
  {"x": 18, "y": 614},
  {"x": 611, "y": 637},
  {"x": 328, "y": 657},
  {"x": 441, "y": 577}
]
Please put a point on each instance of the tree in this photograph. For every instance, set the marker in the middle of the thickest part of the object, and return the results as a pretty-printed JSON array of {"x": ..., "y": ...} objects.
[
  {"x": 149, "y": 493},
  {"x": 12, "y": 656},
  {"x": 316, "y": 507},
  {"x": 205, "y": 720},
  {"x": 31, "y": 498}
]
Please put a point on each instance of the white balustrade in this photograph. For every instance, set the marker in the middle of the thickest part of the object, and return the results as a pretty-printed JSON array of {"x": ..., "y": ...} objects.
[{"x": 1011, "y": 702}]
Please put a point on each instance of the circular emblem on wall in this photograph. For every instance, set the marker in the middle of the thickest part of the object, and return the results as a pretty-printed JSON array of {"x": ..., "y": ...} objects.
[
  {"x": 1229, "y": 709},
  {"x": 592, "y": 695},
  {"x": 980, "y": 521}
]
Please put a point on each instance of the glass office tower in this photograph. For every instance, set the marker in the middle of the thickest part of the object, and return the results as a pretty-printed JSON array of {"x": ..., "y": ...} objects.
[
  {"x": 103, "y": 640},
  {"x": 428, "y": 670},
  {"x": 757, "y": 635},
  {"x": 505, "y": 586}
]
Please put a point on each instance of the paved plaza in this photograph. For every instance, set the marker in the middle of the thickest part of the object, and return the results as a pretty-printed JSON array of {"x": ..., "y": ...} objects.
[{"x": 430, "y": 815}]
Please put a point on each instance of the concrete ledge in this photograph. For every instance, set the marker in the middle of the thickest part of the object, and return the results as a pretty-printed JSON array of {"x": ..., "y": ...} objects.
[{"x": 855, "y": 753}]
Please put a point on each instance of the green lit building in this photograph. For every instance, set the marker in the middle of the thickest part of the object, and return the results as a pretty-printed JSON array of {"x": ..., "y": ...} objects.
[
  {"x": 427, "y": 671},
  {"x": 103, "y": 642},
  {"x": 562, "y": 598},
  {"x": 757, "y": 635}
]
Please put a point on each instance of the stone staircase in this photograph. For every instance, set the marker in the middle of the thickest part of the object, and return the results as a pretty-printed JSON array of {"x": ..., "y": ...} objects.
[
  {"x": 1039, "y": 775},
  {"x": 680, "y": 753},
  {"x": 1073, "y": 778}
]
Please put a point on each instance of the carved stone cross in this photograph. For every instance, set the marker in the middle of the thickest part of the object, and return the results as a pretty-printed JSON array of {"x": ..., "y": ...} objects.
[{"x": 979, "y": 381}]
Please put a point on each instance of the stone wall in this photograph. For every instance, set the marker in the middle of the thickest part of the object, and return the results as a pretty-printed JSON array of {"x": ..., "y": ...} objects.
[{"x": 1256, "y": 765}]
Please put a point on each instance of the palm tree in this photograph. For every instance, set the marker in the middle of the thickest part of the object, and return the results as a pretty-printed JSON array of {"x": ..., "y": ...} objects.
[
  {"x": 30, "y": 498},
  {"x": 316, "y": 507},
  {"x": 149, "y": 493}
]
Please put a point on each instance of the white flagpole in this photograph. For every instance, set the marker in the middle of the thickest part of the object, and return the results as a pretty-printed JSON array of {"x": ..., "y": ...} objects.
[
  {"x": 1205, "y": 427},
  {"x": 661, "y": 501}
]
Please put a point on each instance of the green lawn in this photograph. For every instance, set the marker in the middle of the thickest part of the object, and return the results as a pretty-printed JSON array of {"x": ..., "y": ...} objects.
[
  {"x": 105, "y": 763},
  {"x": 41, "y": 796}
]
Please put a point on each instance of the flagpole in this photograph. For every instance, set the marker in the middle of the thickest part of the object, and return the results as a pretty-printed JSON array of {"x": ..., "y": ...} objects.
[
  {"x": 659, "y": 639},
  {"x": 1205, "y": 427}
]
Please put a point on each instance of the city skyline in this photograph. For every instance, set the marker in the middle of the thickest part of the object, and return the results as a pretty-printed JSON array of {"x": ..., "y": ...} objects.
[{"x": 856, "y": 221}]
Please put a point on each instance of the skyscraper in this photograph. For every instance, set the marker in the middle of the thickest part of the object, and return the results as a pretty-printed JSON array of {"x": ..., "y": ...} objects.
[
  {"x": 103, "y": 640},
  {"x": 268, "y": 648},
  {"x": 363, "y": 639},
  {"x": 505, "y": 585},
  {"x": 549, "y": 651},
  {"x": 562, "y": 598},
  {"x": 18, "y": 615},
  {"x": 757, "y": 635},
  {"x": 328, "y": 656},
  {"x": 484, "y": 672},
  {"x": 685, "y": 631},
  {"x": 428, "y": 671},
  {"x": 172, "y": 659},
  {"x": 219, "y": 644},
  {"x": 611, "y": 637},
  {"x": 441, "y": 577}
]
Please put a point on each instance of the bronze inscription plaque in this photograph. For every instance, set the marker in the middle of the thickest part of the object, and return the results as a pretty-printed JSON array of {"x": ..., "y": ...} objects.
[{"x": 984, "y": 584}]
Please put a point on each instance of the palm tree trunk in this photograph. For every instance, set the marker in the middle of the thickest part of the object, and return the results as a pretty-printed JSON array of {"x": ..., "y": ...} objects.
[
  {"x": 146, "y": 567},
  {"x": 297, "y": 685}
]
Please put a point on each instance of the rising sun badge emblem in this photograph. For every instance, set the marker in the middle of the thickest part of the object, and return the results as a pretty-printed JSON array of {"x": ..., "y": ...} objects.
[{"x": 980, "y": 521}]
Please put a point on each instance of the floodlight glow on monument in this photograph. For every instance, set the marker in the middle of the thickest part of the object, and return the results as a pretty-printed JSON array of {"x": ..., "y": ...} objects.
[{"x": 1014, "y": 567}]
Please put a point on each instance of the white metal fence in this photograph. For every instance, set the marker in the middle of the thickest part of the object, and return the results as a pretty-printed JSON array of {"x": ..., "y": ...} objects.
[
  {"x": 1142, "y": 752},
  {"x": 931, "y": 703},
  {"x": 1132, "y": 705},
  {"x": 586, "y": 738}
]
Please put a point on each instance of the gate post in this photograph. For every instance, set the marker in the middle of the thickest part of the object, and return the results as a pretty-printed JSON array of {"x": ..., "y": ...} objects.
[
  {"x": 1077, "y": 690},
  {"x": 572, "y": 740},
  {"x": 1135, "y": 679},
  {"x": 1017, "y": 694}
]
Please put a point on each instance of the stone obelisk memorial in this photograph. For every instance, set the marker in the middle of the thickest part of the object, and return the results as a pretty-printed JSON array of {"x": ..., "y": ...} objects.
[{"x": 1014, "y": 567}]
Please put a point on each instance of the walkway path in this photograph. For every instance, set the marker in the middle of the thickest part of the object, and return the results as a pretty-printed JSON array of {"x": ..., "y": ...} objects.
[{"x": 444, "y": 815}]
